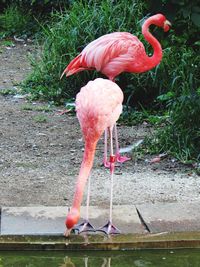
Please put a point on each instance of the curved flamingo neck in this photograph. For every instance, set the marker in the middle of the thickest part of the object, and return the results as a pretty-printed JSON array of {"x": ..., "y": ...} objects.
[
  {"x": 157, "y": 54},
  {"x": 84, "y": 172}
]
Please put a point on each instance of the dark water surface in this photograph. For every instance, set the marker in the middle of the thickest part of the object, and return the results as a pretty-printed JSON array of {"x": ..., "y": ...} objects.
[{"x": 139, "y": 258}]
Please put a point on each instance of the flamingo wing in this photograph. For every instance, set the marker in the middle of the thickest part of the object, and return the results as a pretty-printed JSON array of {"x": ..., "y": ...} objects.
[{"x": 112, "y": 53}]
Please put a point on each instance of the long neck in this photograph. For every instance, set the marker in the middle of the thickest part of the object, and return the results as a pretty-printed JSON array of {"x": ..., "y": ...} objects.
[
  {"x": 84, "y": 172},
  {"x": 157, "y": 53}
]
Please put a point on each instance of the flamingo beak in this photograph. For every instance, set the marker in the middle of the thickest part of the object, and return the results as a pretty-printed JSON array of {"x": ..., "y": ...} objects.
[
  {"x": 62, "y": 74},
  {"x": 167, "y": 25},
  {"x": 67, "y": 232}
]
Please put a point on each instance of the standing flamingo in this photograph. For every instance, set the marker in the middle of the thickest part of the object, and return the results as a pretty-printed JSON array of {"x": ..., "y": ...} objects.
[
  {"x": 119, "y": 52},
  {"x": 98, "y": 107}
]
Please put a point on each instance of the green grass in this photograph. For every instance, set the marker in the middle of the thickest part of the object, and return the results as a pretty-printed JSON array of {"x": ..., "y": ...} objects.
[
  {"x": 181, "y": 135},
  {"x": 8, "y": 91},
  {"x": 31, "y": 107},
  {"x": 131, "y": 117},
  {"x": 14, "y": 20},
  {"x": 27, "y": 107},
  {"x": 40, "y": 118},
  {"x": 26, "y": 165},
  {"x": 7, "y": 43}
]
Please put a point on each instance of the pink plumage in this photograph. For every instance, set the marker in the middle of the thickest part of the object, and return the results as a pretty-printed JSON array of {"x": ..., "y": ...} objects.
[
  {"x": 119, "y": 52},
  {"x": 98, "y": 106}
]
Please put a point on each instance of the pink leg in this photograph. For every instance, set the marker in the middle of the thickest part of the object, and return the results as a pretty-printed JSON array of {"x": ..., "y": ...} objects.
[
  {"x": 86, "y": 226},
  {"x": 109, "y": 228},
  {"x": 106, "y": 163},
  {"x": 119, "y": 158}
]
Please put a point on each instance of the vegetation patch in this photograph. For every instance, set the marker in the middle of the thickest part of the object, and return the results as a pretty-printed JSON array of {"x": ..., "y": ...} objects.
[
  {"x": 14, "y": 21},
  {"x": 40, "y": 118},
  {"x": 181, "y": 134},
  {"x": 36, "y": 108},
  {"x": 6, "y": 92}
]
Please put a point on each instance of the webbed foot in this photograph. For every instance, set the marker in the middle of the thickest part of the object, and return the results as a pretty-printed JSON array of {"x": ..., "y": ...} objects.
[
  {"x": 109, "y": 229},
  {"x": 121, "y": 159},
  {"x": 85, "y": 226}
]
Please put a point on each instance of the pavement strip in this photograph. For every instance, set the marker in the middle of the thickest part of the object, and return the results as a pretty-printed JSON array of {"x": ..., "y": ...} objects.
[{"x": 160, "y": 225}]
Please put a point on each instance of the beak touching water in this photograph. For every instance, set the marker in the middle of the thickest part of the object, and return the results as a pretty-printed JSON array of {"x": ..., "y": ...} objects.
[{"x": 67, "y": 232}]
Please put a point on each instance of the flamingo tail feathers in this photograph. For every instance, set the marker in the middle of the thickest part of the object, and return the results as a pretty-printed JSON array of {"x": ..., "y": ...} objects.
[{"x": 74, "y": 66}]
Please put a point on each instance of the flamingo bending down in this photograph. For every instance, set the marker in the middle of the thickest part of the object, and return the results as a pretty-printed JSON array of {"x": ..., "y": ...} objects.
[
  {"x": 119, "y": 52},
  {"x": 98, "y": 107}
]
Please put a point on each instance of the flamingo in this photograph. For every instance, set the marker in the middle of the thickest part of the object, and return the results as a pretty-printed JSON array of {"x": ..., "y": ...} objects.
[
  {"x": 118, "y": 52},
  {"x": 98, "y": 107}
]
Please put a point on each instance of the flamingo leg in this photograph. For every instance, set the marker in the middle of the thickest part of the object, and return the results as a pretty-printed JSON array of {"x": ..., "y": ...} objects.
[
  {"x": 119, "y": 158},
  {"x": 85, "y": 226},
  {"x": 106, "y": 163},
  {"x": 109, "y": 227}
]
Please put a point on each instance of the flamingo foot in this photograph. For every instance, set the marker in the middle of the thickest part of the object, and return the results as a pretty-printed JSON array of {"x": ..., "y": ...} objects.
[
  {"x": 106, "y": 163},
  {"x": 121, "y": 159},
  {"x": 85, "y": 226},
  {"x": 109, "y": 229}
]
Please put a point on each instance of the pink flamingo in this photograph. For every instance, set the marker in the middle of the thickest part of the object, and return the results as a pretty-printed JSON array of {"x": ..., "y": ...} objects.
[
  {"x": 119, "y": 52},
  {"x": 98, "y": 107}
]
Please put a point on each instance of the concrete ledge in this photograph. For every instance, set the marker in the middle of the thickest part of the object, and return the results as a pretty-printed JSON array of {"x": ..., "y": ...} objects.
[
  {"x": 51, "y": 220},
  {"x": 97, "y": 242},
  {"x": 147, "y": 226},
  {"x": 171, "y": 217}
]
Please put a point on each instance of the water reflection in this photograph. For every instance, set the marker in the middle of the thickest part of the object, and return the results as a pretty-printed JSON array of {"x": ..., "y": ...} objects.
[
  {"x": 106, "y": 263},
  {"x": 154, "y": 258},
  {"x": 68, "y": 262}
]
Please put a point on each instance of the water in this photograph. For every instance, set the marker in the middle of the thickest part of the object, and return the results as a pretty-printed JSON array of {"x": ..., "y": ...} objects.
[{"x": 147, "y": 258}]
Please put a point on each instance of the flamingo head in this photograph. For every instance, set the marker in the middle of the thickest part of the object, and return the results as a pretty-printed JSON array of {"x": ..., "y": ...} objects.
[
  {"x": 161, "y": 21},
  {"x": 72, "y": 218}
]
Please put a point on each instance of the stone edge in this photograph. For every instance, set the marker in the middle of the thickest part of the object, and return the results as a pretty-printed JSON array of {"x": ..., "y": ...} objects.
[{"x": 97, "y": 242}]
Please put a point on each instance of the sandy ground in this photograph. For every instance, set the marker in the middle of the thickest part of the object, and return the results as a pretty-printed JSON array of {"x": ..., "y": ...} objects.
[{"x": 39, "y": 162}]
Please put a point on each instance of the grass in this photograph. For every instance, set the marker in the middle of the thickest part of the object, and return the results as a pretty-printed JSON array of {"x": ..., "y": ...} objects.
[
  {"x": 31, "y": 107},
  {"x": 9, "y": 91},
  {"x": 8, "y": 43},
  {"x": 135, "y": 117},
  {"x": 40, "y": 118},
  {"x": 181, "y": 135},
  {"x": 27, "y": 107},
  {"x": 14, "y": 21},
  {"x": 26, "y": 165}
]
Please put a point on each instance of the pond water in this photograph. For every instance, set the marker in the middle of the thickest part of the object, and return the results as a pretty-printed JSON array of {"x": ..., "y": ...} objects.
[{"x": 138, "y": 258}]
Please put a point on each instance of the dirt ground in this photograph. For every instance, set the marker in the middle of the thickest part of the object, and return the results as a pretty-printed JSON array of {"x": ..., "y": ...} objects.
[{"x": 39, "y": 161}]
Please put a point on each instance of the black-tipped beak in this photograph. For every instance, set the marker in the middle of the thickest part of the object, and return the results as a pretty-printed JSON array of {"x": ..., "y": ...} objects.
[
  {"x": 62, "y": 75},
  {"x": 167, "y": 25},
  {"x": 167, "y": 22}
]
